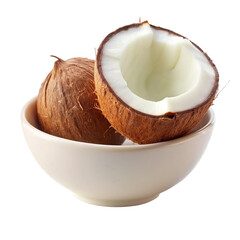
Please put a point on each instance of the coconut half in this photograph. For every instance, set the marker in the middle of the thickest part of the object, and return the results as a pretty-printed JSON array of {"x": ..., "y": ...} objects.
[{"x": 152, "y": 83}]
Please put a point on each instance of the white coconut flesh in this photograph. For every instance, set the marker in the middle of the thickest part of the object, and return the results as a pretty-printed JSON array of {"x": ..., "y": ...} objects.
[{"x": 155, "y": 71}]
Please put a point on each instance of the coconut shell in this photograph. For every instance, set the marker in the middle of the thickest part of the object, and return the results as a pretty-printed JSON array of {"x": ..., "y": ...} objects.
[
  {"x": 140, "y": 127},
  {"x": 67, "y": 104}
]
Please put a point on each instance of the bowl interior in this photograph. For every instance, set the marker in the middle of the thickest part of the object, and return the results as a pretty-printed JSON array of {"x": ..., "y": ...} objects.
[{"x": 31, "y": 114}]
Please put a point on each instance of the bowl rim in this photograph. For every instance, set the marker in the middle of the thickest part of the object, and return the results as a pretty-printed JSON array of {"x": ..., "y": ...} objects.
[{"x": 25, "y": 124}]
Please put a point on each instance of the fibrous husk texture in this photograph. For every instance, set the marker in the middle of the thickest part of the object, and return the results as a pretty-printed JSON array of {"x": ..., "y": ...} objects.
[{"x": 67, "y": 104}]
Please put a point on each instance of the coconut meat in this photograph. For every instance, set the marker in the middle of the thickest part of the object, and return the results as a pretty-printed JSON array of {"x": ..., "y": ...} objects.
[{"x": 155, "y": 72}]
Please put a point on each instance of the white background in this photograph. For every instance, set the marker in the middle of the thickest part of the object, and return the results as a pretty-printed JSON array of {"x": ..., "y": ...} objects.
[{"x": 205, "y": 205}]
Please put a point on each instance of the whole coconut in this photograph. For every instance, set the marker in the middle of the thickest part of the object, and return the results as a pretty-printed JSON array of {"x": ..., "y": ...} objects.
[{"x": 67, "y": 105}]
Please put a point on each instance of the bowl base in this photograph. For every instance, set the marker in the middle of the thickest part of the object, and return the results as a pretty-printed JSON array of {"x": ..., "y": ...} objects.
[{"x": 117, "y": 203}]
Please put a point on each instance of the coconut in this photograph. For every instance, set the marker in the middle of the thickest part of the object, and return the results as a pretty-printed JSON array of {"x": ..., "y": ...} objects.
[
  {"x": 67, "y": 104},
  {"x": 153, "y": 84}
]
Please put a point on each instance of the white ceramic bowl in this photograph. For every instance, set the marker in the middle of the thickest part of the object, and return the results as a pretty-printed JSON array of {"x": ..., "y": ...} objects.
[{"x": 115, "y": 175}]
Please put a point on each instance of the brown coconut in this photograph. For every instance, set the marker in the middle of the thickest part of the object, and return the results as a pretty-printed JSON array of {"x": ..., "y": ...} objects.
[
  {"x": 138, "y": 126},
  {"x": 67, "y": 104}
]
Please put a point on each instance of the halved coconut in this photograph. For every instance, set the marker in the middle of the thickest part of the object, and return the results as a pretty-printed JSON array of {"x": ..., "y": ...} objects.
[{"x": 153, "y": 84}]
